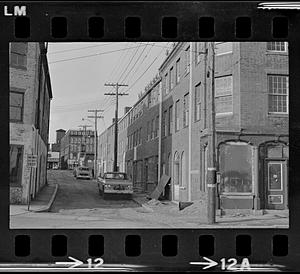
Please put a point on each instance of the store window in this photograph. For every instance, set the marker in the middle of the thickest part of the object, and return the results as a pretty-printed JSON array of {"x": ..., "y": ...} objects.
[
  {"x": 16, "y": 163},
  {"x": 236, "y": 161}
]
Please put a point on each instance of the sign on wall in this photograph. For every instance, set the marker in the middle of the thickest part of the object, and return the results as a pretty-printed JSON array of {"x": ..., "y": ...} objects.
[{"x": 32, "y": 160}]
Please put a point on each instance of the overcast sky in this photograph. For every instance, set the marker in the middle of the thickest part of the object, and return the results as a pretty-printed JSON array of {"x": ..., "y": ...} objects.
[{"x": 79, "y": 71}]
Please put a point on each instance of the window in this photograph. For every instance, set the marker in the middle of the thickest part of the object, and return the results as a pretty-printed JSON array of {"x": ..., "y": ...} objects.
[
  {"x": 197, "y": 101},
  {"x": 148, "y": 130},
  {"x": 170, "y": 120},
  {"x": 186, "y": 110},
  {"x": 278, "y": 93},
  {"x": 171, "y": 78},
  {"x": 187, "y": 60},
  {"x": 177, "y": 71},
  {"x": 18, "y": 54},
  {"x": 165, "y": 129},
  {"x": 156, "y": 127},
  {"x": 166, "y": 83},
  {"x": 276, "y": 46},
  {"x": 15, "y": 164},
  {"x": 236, "y": 162},
  {"x": 140, "y": 136},
  {"x": 16, "y": 106},
  {"x": 198, "y": 52},
  {"x": 223, "y": 94},
  {"x": 223, "y": 48},
  {"x": 177, "y": 116}
]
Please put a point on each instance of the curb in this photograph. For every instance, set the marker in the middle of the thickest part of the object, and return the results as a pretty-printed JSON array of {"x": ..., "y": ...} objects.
[{"x": 48, "y": 206}]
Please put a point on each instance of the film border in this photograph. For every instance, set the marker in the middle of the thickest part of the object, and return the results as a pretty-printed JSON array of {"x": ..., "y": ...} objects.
[{"x": 151, "y": 14}]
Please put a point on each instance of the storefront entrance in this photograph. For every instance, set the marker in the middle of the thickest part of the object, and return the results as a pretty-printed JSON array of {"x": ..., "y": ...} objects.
[{"x": 276, "y": 184}]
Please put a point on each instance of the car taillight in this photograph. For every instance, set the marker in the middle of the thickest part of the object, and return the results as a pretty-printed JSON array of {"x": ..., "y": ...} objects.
[{"x": 107, "y": 186}]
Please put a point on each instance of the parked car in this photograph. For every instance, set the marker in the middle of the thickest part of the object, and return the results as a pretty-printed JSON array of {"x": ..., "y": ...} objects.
[
  {"x": 114, "y": 183},
  {"x": 82, "y": 172}
]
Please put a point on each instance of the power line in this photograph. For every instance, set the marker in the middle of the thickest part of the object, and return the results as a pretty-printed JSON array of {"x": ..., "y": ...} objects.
[
  {"x": 68, "y": 50},
  {"x": 146, "y": 70},
  {"x": 135, "y": 63},
  {"x": 91, "y": 55}
]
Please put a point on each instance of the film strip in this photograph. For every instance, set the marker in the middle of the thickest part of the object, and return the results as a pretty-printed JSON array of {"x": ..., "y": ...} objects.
[{"x": 215, "y": 247}]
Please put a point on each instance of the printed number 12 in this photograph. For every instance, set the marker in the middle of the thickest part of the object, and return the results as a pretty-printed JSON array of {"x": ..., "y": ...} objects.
[
  {"x": 232, "y": 263},
  {"x": 98, "y": 262}
]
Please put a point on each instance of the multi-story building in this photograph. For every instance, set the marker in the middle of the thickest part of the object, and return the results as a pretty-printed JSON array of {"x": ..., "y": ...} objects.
[
  {"x": 77, "y": 148},
  {"x": 59, "y": 134},
  {"x": 30, "y": 96},
  {"x": 251, "y": 118}
]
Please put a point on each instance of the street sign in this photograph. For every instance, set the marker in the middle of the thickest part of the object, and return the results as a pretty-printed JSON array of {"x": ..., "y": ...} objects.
[{"x": 32, "y": 160}]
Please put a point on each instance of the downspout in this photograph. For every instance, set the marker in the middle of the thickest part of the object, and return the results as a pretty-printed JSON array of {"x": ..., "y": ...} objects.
[
  {"x": 190, "y": 123},
  {"x": 159, "y": 131}
]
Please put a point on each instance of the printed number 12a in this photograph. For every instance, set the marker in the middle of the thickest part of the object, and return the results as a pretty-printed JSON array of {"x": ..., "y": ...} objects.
[{"x": 232, "y": 262}]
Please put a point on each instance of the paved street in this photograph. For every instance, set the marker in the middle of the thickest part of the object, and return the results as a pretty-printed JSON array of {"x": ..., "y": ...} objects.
[{"x": 79, "y": 205}]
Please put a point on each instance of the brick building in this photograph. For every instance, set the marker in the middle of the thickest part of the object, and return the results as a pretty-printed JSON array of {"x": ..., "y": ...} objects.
[
  {"x": 251, "y": 105},
  {"x": 30, "y": 96},
  {"x": 77, "y": 148}
]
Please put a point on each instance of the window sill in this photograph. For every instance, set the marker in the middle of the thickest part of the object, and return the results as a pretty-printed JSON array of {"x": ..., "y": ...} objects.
[
  {"x": 224, "y": 114},
  {"x": 18, "y": 67},
  {"x": 285, "y": 53},
  {"x": 275, "y": 114}
]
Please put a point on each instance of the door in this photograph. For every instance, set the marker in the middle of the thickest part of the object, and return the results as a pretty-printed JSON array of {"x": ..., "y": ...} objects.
[
  {"x": 176, "y": 181},
  {"x": 276, "y": 185}
]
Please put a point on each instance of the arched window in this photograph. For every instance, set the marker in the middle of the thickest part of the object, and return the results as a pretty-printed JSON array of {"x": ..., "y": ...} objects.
[
  {"x": 183, "y": 181},
  {"x": 176, "y": 169}
]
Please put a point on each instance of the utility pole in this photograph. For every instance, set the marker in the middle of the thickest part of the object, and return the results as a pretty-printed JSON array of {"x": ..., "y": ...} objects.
[
  {"x": 211, "y": 169},
  {"x": 117, "y": 94},
  {"x": 95, "y": 111},
  {"x": 84, "y": 128}
]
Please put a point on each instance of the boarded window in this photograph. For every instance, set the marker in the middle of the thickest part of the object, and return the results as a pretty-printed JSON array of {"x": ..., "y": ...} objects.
[{"x": 223, "y": 94}]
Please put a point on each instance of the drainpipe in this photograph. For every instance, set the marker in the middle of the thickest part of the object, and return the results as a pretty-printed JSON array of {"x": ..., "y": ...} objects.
[
  {"x": 190, "y": 123},
  {"x": 159, "y": 131}
]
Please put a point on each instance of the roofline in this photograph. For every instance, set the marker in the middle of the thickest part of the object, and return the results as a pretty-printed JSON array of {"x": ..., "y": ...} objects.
[
  {"x": 171, "y": 54},
  {"x": 44, "y": 51}
]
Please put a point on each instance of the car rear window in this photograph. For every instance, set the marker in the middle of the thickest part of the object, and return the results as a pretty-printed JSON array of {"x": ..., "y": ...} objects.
[
  {"x": 117, "y": 176},
  {"x": 84, "y": 168}
]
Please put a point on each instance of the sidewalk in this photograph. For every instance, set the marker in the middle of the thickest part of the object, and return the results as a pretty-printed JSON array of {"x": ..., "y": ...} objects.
[
  {"x": 42, "y": 202},
  {"x": 196, "y": 214}
]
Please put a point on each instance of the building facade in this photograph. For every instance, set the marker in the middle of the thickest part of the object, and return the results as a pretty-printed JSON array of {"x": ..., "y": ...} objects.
[
  {"x": 77, "y": 148},
  {"x": 30, "y": 96},
  {"x": 251, "y": 123},
  {"x": 53, "y": 160}
]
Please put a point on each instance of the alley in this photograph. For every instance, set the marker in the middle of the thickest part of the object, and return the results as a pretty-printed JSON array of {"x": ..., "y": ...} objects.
[
  {"x": 78, "y": 205},
  {"x": 81, "y": 194}
]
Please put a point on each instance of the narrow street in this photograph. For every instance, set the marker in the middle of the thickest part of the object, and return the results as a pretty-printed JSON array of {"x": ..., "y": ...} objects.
[
  {"x": 78, "y": 205},
  {"x": 81, "y": 194}
]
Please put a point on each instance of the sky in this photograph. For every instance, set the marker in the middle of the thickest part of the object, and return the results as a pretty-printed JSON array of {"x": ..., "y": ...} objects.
[{"x": 78, "y": 72}]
